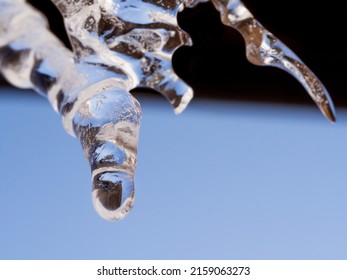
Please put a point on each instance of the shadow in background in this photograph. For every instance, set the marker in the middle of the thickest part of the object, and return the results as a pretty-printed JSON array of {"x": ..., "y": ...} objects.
[{"x": 216, "y": 66}]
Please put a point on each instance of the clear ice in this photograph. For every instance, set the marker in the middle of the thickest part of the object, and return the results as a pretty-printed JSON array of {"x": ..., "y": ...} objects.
[{"x": 119, "y": 45}]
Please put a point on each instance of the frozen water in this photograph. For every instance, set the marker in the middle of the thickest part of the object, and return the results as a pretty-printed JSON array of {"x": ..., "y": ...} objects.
[
  {"x": 109, "y": 124},
  {"x": 135, "y": 37},
  {"x": 92, "y": 98},
  {"x": 119, "y": 45},
  {"x": 264, "y": 49}
]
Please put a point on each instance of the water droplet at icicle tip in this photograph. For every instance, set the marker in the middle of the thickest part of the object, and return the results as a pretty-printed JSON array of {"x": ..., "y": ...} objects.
[{"x": 113, "y": 195}]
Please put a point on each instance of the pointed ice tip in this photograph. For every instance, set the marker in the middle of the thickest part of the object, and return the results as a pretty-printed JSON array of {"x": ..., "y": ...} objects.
[
  {"x": 185, "y": 99},
  {"x": 328, "y": 111}
]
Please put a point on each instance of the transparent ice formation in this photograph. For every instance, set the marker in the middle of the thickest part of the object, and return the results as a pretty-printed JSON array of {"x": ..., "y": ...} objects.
[{"x": 119, "y": 45}]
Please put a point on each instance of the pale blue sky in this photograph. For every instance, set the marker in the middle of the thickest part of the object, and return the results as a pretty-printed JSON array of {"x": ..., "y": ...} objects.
[{"x": 221, "y": 181}]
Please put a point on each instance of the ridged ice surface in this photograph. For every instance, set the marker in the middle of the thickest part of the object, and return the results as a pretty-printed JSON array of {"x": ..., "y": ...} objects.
[
  {"x": 92, "y": 98},
  {"x": 109, "y": 125},
  {"x": 119, "y": 45},
  {"x": 137, "y": 37},
  {"x": 264, "y": 49}
]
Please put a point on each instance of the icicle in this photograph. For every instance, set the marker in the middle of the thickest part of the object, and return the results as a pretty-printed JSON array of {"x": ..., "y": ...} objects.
[{"x": 117, "y": 46}]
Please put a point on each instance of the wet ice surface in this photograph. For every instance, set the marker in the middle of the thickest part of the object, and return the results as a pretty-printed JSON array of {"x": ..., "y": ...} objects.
[
  {"x": 115, "y": 50},
  {"x": 223, "y": 180},
  {"x": 118, "y": 46}
]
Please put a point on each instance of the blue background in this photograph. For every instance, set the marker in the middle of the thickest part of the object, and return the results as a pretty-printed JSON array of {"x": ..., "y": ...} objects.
[{"x": 221, "y": 181}]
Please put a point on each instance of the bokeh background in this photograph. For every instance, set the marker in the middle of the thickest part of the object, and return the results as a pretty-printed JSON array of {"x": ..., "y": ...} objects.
[{"x": 251, "y": 170}]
